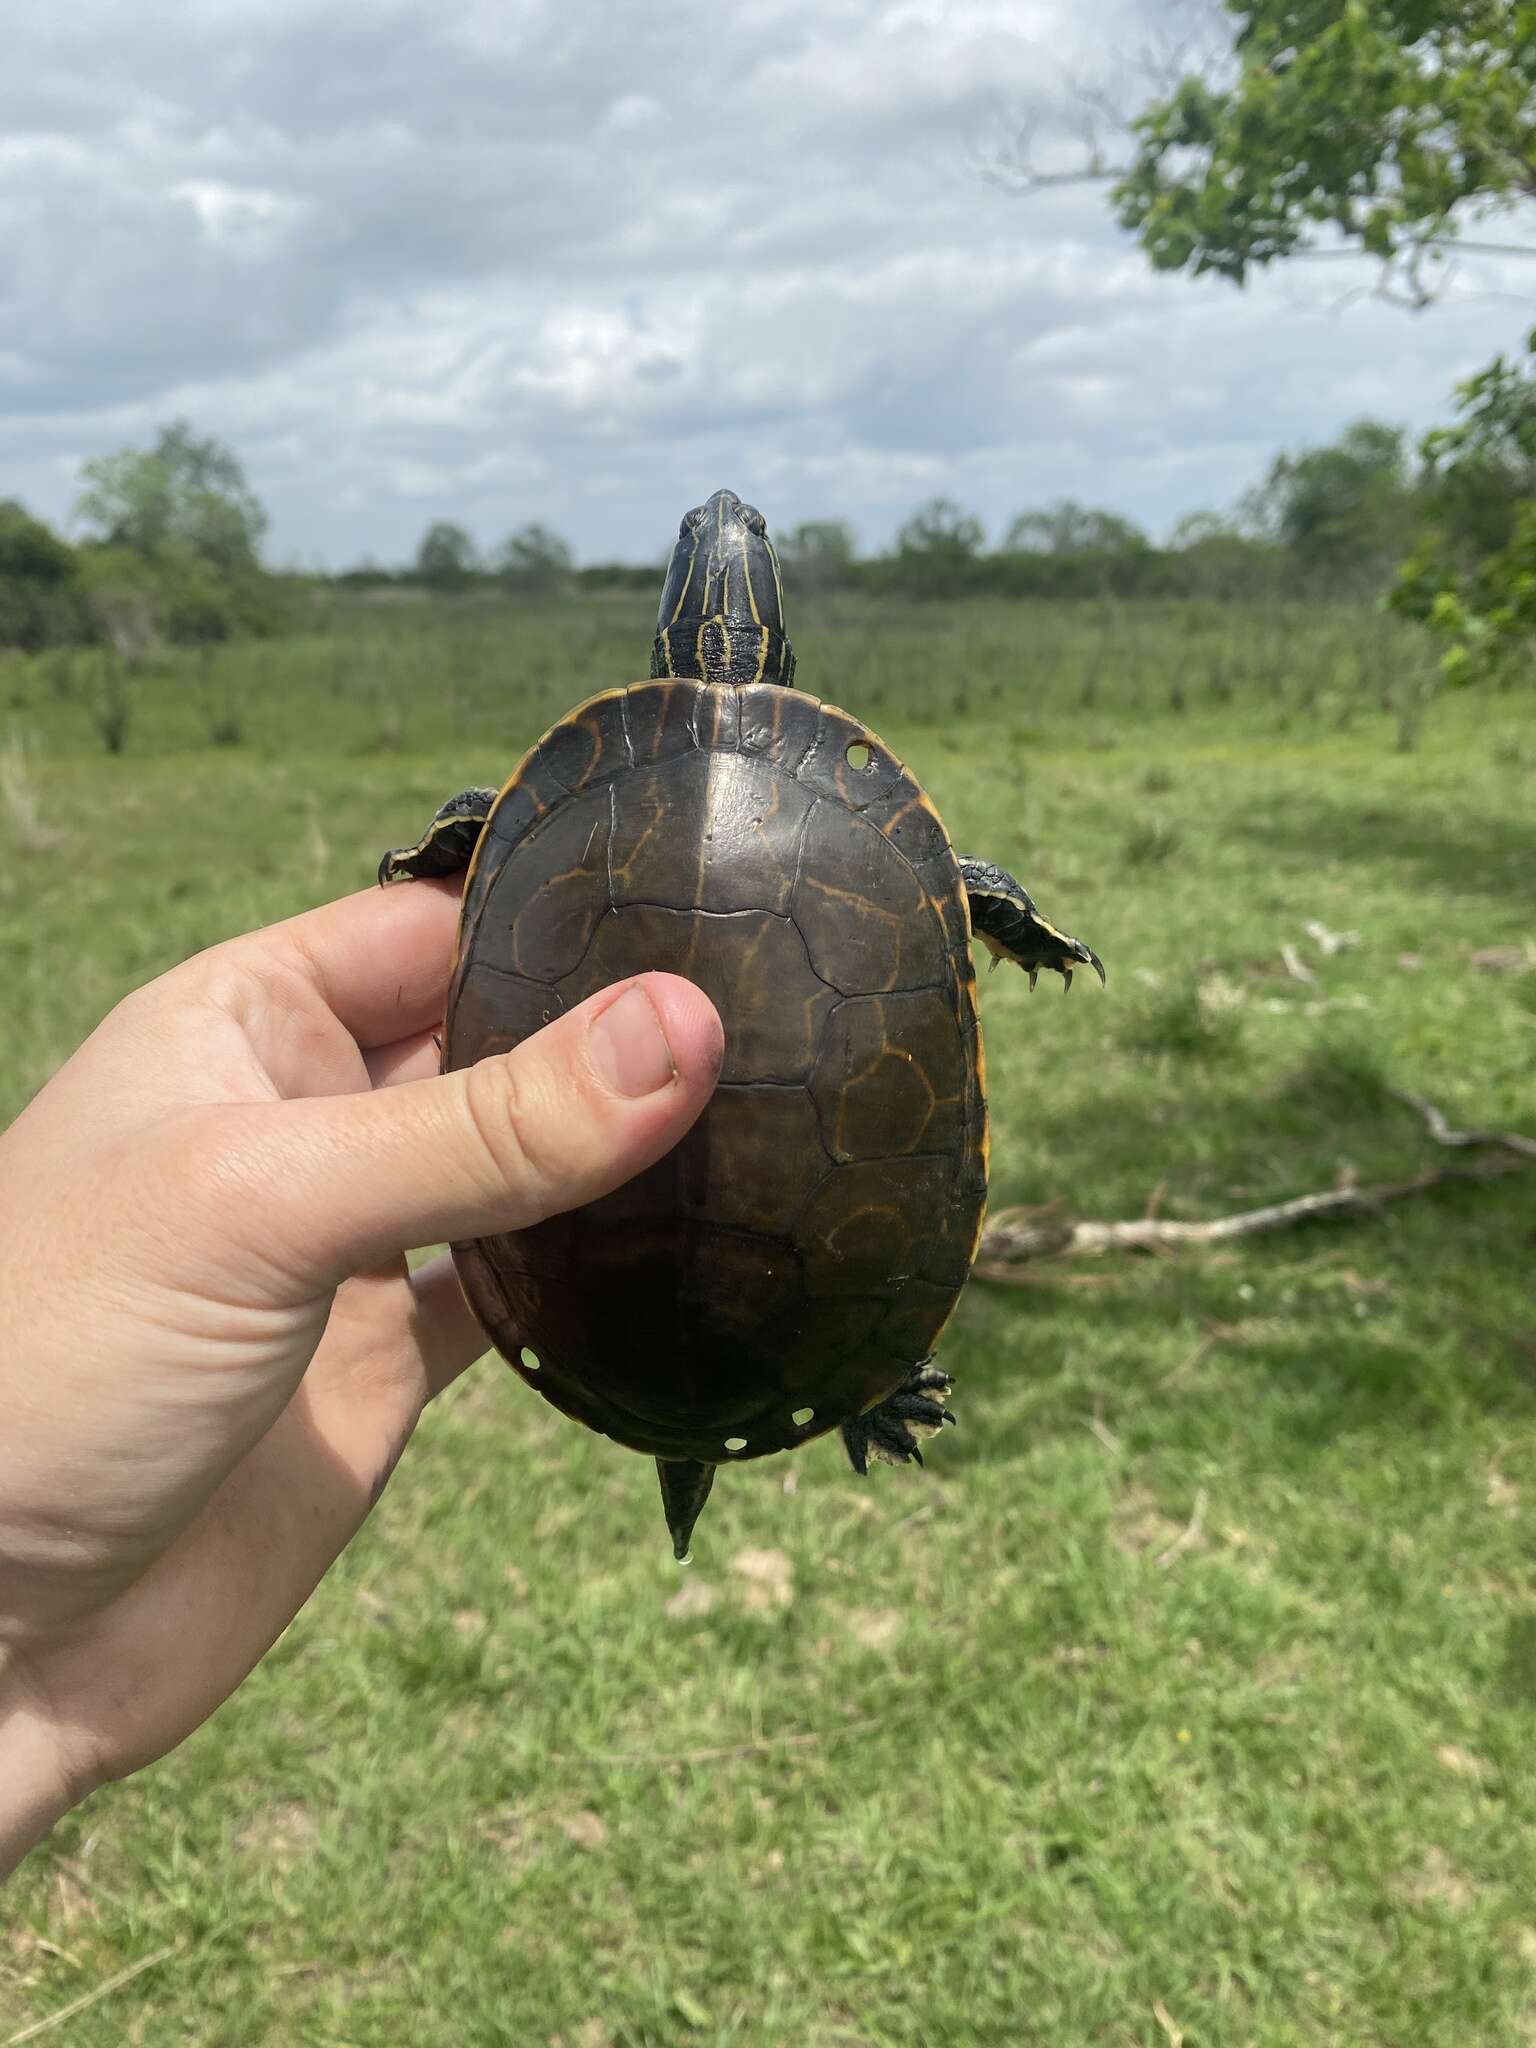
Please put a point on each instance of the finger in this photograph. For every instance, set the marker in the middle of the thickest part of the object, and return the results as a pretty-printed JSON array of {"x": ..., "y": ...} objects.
[
  {"x": 335, "y": 1185},
  {"x": 416, "y": 1058},
  {"x": 380, "y": 960},
  {"x": 447, "y": 1328},
  {"x": 393, "y": 1341}
]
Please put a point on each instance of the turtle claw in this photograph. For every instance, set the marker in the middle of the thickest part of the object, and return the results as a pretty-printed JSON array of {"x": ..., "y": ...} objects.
[
  {"x": 891, "y": 1432},
  {"x": 1078, "y": 956}
]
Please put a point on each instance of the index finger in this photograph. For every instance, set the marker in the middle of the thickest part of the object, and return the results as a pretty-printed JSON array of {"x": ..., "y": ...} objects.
[{"x": 380, "y": 961}]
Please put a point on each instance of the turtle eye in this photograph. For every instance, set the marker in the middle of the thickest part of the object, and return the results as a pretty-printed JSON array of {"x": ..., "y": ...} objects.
[
  {"x": 753, "y": 520},
  {"x": 691, "y": 522}
]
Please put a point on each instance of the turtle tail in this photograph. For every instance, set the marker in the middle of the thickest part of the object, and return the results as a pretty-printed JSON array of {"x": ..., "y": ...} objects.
[{"x": 685, "y": 1484}]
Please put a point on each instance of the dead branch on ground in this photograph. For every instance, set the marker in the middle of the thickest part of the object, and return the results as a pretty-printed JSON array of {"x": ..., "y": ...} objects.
[{"x": 1019, "y": 1238}]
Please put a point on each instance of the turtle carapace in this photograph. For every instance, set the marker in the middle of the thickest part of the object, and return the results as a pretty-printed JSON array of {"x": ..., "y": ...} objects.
[{"x": 787, "y": 1269}]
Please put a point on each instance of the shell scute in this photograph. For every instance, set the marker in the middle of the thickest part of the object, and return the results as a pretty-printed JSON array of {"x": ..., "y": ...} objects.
[
  {"x": 912, "y": 825},
  {"x": 866, "y": 919},
  {"x": 890, "y": 1078},
  {"x": 868, "y": 1225},
  {"x": 591, "y": 746},
  {"x": 829, "y": 770},
  {"x": 545, "y": 910},
  {"x": 660, "y": 719},
  {"x": 758, "y": 1161},
  {"x": 780, "y": 724}
]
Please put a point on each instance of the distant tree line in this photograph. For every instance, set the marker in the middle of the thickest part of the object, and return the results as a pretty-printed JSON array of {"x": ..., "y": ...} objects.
[
  {"x": 172, "y": 538},
  {"x": 1338, "y": 518}
]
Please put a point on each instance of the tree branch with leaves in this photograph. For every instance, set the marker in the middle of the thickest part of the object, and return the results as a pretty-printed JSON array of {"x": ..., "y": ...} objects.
[{"x": 1392, "y": 126}]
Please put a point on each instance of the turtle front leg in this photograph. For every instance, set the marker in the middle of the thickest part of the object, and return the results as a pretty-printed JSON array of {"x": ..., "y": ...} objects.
[
  {"x": 448, "y": 845},
  {"x": 893, "y": 1431},
  {"x": 1004, "y": 918}
]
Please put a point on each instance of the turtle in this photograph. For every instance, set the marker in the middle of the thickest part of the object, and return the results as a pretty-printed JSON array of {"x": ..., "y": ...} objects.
[{"x": 787, "y": 1268}]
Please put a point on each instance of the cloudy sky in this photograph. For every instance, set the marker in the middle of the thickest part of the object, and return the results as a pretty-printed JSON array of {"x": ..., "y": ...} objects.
[{"x": 582, "y": 261}]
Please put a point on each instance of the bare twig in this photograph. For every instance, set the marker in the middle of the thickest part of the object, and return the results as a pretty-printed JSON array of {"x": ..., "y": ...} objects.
[
  {"x": 1106, "y": 1437},
  {"x": 1169, "y": 2025},
  {"x": 1018, "y": 1237},
  {"x": 21, "y": 801},
  {"x": 1188, "y": 1536},
  {"x": 1515, "y": 1443},
  {"x": 1441, "y": 1132},
  {"x": 78, "y": 2005},
  {"x": 1296, "y": 967},
  {"x": 1328, "y": 943}
]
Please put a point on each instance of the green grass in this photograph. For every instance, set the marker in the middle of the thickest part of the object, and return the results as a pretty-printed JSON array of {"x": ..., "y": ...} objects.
[{"x": 1022, "y": 1750}]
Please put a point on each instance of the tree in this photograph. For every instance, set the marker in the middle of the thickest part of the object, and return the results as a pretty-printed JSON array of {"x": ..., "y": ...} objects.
[
  {"x": 1473, "y": 577},
  {"x": 821, "y": 552},
  {"x": 534, "y": 559},
  {"x": 936, "y": 549},
  {"x": 182, "y": 491},
  {"x": 1067, "y": 528},
  {"x": 940, "y": 531},
  {"x": 1198, "y": 529},
  {"x": 1389, "y": 123},
  {"x": 29, "y": 551},
  {"x": 173, "y": 594},
  {"x": 1483, "y": 468},
  {"x": 446, "y": 559},
  {"x": 40, "y": 598},
  {"x": 1345, "y": 507},
  {"x": 1220, "y": 555}
]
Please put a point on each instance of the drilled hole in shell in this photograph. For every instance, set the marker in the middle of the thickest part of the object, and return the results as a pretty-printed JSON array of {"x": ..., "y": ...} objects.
[
  {"x": 735, "y": 1443},
  {"x": 859, "y": 757},
  {"x": 802, "y": 1416},
  {"x": 528, "y": 1360}
]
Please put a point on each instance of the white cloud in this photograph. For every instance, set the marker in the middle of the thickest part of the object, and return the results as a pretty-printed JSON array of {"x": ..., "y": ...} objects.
[
  {"x": 244, "y": 219},
  {"x": 503, "y": 259}
]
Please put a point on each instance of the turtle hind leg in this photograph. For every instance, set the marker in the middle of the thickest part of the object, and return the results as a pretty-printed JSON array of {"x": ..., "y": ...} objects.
[
  {"x": 685, "y": 1484},
  {"x": 448, "y": 845},
  {"x": 1004, "y": 918},
  {"x": 893, "y": 1430}
]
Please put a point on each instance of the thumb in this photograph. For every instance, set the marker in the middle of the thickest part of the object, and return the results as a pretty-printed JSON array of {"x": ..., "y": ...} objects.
[{"x": 572, "y": 1113}]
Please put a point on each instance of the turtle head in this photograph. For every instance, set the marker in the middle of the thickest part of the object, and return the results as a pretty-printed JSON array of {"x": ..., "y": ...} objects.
[{"x": 721, "y": 618}]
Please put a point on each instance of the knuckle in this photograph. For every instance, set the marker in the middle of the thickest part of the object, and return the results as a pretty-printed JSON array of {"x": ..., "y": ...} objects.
[{"x": 504, "y": 1119}]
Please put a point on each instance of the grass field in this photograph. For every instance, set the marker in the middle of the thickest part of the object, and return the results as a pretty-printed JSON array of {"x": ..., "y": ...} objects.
[{"x": 1190, "y": 1695}]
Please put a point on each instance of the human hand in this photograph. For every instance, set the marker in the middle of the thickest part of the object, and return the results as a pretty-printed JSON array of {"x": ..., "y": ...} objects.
[{"x": 213, "y": 1353}]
